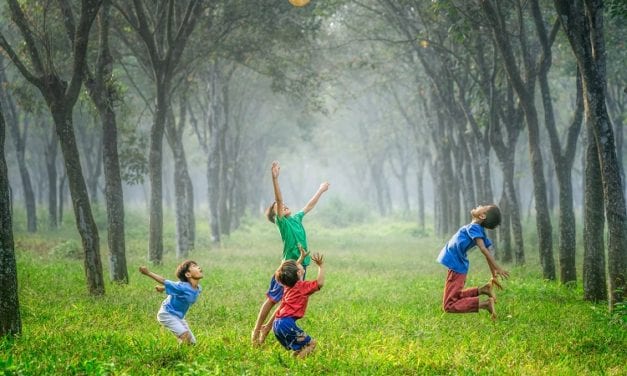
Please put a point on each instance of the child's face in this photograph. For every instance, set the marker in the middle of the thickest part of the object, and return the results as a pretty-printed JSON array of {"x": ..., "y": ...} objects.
[
  {"x": 479, "y": 213},
  {"x": 194, "y": 272},
  {"x": 285, "y": 211},
  {"x": 301, "y": 272}
]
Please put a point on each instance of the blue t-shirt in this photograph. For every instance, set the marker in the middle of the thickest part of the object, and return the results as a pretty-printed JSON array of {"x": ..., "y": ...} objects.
[
  {"x": 454, "y": 254},
  {"x": 181, "y": 295}
]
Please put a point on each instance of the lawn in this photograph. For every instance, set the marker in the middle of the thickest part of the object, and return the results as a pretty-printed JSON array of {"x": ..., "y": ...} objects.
[{"x": 379, "y": 312}]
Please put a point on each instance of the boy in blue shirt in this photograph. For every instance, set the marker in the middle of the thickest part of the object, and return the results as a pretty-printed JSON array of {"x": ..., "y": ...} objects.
[
  {"x": 293, "y": 234},
  {"x": 181, "y": 295},
  {"x": 454, "y": 257}
]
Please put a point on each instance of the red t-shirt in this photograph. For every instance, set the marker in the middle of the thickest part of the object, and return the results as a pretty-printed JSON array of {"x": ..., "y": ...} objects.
[{"x": 294, "y": 302}]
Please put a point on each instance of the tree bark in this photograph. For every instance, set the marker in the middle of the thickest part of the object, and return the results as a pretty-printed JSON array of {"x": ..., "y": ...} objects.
[
  {"x": 19, "y": 138},
  {"x": 543, "y": 220},
  {"x": 10, "y": 321},
  {"x": 583, "y": 23},
  {"x": 61, "y": 96},
  {"x": 594, "y": 281}
]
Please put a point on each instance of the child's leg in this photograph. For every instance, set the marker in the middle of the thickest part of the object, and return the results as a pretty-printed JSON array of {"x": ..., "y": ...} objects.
[
  {"x": 306, "y": 350},
  {"x": 488, "y": 305},
  {"x": 273, "y": 295},
  {"x": 261, "y": 318},
  {"x": 457, "y": 299}
]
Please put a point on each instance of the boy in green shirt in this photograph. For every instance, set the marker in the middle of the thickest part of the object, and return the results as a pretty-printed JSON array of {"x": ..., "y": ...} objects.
[{"x": 292, "y": 233}]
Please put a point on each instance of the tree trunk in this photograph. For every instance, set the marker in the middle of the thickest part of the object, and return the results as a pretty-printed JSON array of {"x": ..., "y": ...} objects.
[
  {"x": 155, "y": 243},
  {"x": 10, "y": 321},
  {"x": 51, "y": 168},
  {"x": 543, "y": 220},
  {"x": 583, "y": 23},
  {"x": 19, "y": 138},
  {"x": 102, "y": 93},
  {"x": 80, "y": 200},
  {"x": 183, "y": 190},
  {"x": 594, "y": 282}
]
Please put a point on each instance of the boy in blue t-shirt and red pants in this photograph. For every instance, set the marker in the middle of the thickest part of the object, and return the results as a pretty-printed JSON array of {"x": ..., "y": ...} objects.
[{"x": 454, "y": 256}]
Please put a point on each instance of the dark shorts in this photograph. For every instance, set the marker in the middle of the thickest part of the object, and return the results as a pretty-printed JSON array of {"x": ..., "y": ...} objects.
[{"x": 289, "y": 334}]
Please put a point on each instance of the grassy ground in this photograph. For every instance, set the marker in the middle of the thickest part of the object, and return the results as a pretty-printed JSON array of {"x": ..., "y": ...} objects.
[{"x": 379, "y": 313}]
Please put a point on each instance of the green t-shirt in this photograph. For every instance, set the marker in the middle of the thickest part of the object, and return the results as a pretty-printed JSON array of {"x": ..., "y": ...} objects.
[{"x": 292, "y": 233}]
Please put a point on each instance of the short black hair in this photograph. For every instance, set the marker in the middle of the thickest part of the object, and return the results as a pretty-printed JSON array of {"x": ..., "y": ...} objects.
[
  {"x": 287, "y": 273},
  {"x": 184, "y": 268},
  {"x": 492, "y": 217}
]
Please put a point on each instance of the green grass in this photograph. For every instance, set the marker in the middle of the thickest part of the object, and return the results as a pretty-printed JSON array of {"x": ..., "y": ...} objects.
[{"x": 379, "y": 313}]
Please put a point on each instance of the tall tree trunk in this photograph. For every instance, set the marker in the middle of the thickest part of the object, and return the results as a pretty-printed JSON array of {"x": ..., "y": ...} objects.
[
  {"x": 102, "y": 93},
  {"x": 183, "y": 190},
  {"x": 543, "y": 219},
  {"x": 51, "y": 168},
  {"x": 10, "y": 321},
  {"x": 61, "y": 96},
  {"x": 19, "y": 138},
  {"x": 155, "y": 172},
  {"x": 583, "y": 23},
  {"x": 80, "y": 200},
  {"x": 562, "y": 161},
  {"x": 594, "y": 282}
]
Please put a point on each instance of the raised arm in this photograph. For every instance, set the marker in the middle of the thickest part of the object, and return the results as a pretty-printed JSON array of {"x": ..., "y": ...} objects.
[
  {"x": 278, "y": 198},
  {"x": 319, "y": 260},
  {"x": 314, "y": 200},
  {"x": 303, "y": 254},
  {"x": 494, "y": 267},
  {"x": 144, "y": 270}
]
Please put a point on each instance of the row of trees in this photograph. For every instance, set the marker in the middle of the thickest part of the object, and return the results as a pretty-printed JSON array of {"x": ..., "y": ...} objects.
[{"x": 437, "y": 88}]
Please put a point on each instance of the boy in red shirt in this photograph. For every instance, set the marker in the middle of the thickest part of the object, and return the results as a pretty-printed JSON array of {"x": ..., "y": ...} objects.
[{"x": 294, "y": 304}]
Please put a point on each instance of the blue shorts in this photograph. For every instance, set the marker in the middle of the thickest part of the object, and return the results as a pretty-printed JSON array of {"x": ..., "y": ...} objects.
[
  {"x": 275, "y": 291},
  {"x": 289, "y": 334}
]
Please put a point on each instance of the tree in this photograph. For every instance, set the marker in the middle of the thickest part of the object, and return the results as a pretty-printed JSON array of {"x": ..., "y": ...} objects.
[
  {"x": 61, "y": 96},
  {"x": 582, "y": 21},
  {"x": 523, "y": 83},
  {"x": 103, "y": 91},
  {"x": 19, "y": 137},
  {"x": 10, "y": 322},
  {"x": 164, "y": 28}
]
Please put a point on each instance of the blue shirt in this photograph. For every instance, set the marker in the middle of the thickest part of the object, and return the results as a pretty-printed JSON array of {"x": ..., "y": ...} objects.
[
  {"x": 181, "y": 295},
  {"x": 454, "y": 254}
]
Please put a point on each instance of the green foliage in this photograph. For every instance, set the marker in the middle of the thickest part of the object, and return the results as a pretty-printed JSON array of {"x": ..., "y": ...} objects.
[
  {"x": 339, "y": 213},
  {"x": 70, "y": 249},
  {"x": 378, "y": 314}
]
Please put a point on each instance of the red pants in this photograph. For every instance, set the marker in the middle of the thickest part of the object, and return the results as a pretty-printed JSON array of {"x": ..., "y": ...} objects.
[{"x": 456, "y": 299}]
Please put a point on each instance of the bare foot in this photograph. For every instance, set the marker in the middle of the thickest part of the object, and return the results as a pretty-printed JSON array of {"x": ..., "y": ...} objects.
[
  {"x": 306, "y": 350},
  {"x": 490, "y": 308},
  {"x": 254, "y": 338},
  {"x": 488, "y": 290}
]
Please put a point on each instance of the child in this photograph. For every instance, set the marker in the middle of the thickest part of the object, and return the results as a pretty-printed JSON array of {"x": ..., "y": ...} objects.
[
  {"x": 292, "y": 233},
  {"x": 294, "y": 304},
  {"x": 181, "y": 295},
  {"x": 454, "y": 257}
]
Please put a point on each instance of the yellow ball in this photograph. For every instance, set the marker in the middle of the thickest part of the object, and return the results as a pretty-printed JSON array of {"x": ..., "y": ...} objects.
[{"x": 299, "y": 3}]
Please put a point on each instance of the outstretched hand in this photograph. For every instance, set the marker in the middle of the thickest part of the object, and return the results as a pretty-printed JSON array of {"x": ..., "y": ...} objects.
[
  {"x": 318, "y": 258},
  {"x": 303, "y": 253},
  {"x": 324, "y": 186},
  {"x": 276, "y": 168},
  {"x": 143, "y": 270}
]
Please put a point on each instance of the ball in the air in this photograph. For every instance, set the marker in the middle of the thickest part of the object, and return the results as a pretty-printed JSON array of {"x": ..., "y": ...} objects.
[{"x": 299, "y": 3}]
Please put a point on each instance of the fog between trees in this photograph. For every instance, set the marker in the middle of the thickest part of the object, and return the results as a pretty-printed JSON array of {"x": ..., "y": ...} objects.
[{"x": 418, "y": 110}]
